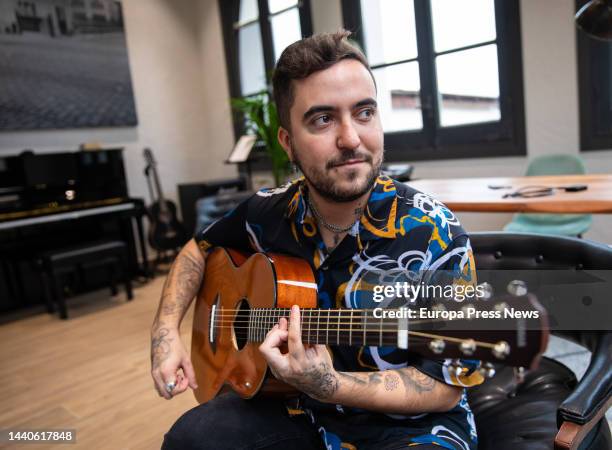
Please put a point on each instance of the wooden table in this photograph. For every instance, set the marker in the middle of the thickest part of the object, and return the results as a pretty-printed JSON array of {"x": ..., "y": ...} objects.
[{"x": 474, "y": 194}]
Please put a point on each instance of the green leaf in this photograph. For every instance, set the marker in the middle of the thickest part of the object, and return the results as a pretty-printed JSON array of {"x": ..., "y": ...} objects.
[{"x": 262, "y": 119}]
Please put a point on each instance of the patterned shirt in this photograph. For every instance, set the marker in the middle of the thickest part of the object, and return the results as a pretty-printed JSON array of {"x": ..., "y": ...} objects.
[{"x": 400, "y": 230}]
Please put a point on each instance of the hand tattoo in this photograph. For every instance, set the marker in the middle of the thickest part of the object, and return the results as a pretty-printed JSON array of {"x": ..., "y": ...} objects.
[
  {"x": 160, "y": 347},
  {"x": 319, "y": 382}
]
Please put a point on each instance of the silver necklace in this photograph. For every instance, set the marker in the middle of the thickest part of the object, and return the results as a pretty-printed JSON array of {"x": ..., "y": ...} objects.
[{"x": 331, "y": 227}]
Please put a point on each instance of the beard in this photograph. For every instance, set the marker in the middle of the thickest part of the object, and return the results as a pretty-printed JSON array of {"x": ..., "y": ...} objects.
[{"x": 322, "y": 181}]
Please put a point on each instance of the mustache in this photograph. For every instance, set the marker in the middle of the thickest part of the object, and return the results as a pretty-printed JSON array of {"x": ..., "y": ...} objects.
[{"x": 347, "y": 156}]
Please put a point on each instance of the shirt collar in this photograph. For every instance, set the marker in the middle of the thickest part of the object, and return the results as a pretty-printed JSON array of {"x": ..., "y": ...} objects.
[{"x": 378, "y": 220}]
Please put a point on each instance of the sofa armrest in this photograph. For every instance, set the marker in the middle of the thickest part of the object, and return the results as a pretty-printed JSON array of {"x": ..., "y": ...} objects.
[{"x": 585, "y": 407}]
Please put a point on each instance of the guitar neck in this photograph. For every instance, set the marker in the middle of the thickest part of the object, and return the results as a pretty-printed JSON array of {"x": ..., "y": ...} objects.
[
  {"x": 513, "y": 345},
  {"x": 333, "y": 326},
  {"x": 152, "y": 169}
]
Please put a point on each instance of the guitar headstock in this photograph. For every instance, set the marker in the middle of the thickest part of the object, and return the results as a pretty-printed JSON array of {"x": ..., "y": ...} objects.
[
  {"x": 510, "y": 329},
  {"x": 148, "y": 155}
]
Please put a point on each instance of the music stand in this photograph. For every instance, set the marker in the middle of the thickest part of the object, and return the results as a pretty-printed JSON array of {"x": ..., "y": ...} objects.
[{"x": 241, "y": 152}]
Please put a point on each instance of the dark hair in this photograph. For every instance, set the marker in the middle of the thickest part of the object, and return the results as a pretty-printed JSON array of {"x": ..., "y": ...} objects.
[{"x": 304, "y": 57}]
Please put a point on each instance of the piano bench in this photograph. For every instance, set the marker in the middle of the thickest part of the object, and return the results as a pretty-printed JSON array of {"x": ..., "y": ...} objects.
[{"x": 56, "y": 263}]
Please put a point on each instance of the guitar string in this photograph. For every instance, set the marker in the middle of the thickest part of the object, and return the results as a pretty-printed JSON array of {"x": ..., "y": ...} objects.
[
  {"x": 361, "y": 331},
  {"x": 357, "y": 331},
  {"x": 228, "y": 319}
]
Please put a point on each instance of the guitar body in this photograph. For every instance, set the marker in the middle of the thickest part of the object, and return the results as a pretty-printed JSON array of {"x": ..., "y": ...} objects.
[
  {"x": 221, "y": 354},
  {"x": 166, "y": 231}
]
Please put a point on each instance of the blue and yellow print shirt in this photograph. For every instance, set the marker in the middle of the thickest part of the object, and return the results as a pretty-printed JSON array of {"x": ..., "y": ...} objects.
[{"x": 400, "y": 230}]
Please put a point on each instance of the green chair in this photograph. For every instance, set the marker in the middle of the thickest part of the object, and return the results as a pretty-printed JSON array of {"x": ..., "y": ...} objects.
[{"x": 556, "y": 224}]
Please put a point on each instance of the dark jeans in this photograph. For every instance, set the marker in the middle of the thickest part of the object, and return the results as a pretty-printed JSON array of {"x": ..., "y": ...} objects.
[{"x": 229, "y": 422}]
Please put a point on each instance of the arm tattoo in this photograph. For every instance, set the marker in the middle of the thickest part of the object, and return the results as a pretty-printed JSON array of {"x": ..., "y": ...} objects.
[
  {"x": 189, "y": 279},
  {"x": 375, "y": 377},
  {"x": 415, "y": 381},
  {"x": 362, "y": 379},
  {"x": 391, "y": 382},
  {"x": 355, "y": 379},
  {"x": 160, "y": 347},
  {"x": 181, "y": 286},
  {"x": 319, "y": 381}
]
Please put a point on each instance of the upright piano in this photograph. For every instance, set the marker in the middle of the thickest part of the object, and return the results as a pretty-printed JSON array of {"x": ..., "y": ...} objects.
[{"x": 53, "y": 200}]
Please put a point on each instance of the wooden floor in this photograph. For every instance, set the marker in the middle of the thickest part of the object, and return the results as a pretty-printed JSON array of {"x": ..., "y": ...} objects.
[{"x": 89, "y": 373}]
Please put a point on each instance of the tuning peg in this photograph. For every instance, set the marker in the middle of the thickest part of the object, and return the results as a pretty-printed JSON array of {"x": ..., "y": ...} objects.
[
  {"x": 455, "y": 367},
  {"x": 519, "y": 374},
  {"x": 485, "y": 292},
  {"x": 487, "y": 370},
  {"x": 437, "y": 346},
  {"x": 517, "y": 288},
  {"x": 438, "y": 307},
  {"x": 501, "y": 350},
  {"x": 500, "y": 307},
  {"x": 468, "y": 347}
]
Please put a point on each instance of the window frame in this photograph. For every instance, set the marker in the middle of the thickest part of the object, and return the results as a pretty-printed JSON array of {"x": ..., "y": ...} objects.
[
  {"x": 229, "y": 12},
  {"x": 505, "y": 137},
  {"x": 588, "y": 66}
]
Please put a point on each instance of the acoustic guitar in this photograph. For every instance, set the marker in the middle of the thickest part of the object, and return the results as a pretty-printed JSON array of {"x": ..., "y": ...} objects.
[
  {"x": 242, "y": 298},
  {"x": 166, "y": 232}
]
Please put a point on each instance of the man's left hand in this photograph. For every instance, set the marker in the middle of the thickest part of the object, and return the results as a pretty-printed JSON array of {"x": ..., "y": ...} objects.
[{"x": 308, "y": 368}]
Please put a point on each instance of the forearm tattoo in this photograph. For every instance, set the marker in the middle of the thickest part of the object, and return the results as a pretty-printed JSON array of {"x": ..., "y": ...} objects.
[
  {"x": 180, "y": 287},
  {"x": 160, "y": 346},
  {"x": 318, "y": 381},
  {"x": 412, "y": 379},
  {"x": 189, "y": 278},
  {"x": 391, "y": 382},
  {"x": 361, "y": 380},
  {"x": 415, "y": 381}
]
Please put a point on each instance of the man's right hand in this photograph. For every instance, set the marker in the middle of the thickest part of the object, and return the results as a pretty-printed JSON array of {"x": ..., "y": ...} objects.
[
  {"x": 168, "y": 355},
  {"x": 170, "y": 364}
]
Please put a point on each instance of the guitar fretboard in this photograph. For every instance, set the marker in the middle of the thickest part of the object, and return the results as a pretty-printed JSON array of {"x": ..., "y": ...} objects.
[{"x": 326, "y": 326}]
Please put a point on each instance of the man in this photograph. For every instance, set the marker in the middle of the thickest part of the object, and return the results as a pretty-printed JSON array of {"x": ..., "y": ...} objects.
[{"x": 351, "y": 224}]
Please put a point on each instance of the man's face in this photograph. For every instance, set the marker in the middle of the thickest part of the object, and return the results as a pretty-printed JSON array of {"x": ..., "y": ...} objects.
[{"x": 336, "y": 137}]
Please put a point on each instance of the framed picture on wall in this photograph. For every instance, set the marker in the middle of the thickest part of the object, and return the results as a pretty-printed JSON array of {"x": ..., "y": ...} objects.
[{"x": 64, "y": 64}]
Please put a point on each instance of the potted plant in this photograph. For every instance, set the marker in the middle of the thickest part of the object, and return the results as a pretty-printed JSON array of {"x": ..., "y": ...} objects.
[{"x": 262, "y": 120}]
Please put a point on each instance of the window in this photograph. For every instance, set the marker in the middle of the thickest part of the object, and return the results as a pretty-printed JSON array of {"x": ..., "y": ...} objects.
[
  {"x": 255, "y": 34},
  {"x": 595, "y": 90},
  {"x": 448, "y": 73}
]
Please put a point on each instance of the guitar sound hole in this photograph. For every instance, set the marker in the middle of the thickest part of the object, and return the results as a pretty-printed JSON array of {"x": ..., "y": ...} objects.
[{"x": 241, "y": 324}]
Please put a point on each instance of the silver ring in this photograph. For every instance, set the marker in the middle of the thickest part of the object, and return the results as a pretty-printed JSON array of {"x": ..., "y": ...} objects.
[{"x": 170, "y": 387}]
